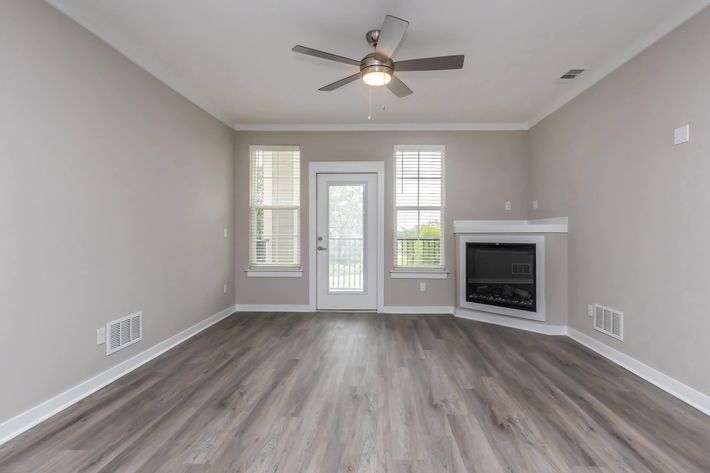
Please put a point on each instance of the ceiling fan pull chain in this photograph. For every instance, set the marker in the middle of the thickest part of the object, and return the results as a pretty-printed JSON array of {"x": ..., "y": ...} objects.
[{"x": 369, "y": 103}]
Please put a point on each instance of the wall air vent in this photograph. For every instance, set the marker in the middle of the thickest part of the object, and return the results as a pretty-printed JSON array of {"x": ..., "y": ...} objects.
[
  {"x": 572, "y": 74},
  {"x": 124, "y": 332},
  {"x": 609, "y": 321}
]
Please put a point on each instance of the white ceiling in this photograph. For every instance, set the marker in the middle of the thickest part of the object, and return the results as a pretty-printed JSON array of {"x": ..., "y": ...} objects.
[{"x": 233, "y": 57}]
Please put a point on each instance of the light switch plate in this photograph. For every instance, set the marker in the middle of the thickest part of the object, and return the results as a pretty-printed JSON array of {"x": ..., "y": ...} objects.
[
  {"x": 422, "y": 286},
  {"x": 535, "y": 204},
  {"x": 681, "y": 135},
  {"x": 590, "y": 310}
]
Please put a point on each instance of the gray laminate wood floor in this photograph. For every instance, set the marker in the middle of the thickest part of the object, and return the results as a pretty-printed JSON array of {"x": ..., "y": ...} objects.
[{"x": 366, "y": 393}]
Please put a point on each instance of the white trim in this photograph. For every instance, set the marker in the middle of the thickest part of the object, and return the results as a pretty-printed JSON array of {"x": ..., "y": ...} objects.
[
  {"x": 419, "y": 274},
  {"x": 345, "y": 167},
  {"x": 494, "y": 126},
  {"x": 277, "y": 148},
  {"x": 140, "y": 56},
  {"x": 545, "y": 225},
  {"x": 257, "y": 273},
  {"x": 513, "y": 322},
  {"x": 274, "y": 308},
  {"x": 592, "y": 76},
  {"x": 422, "y": 147},
  {"x": 441, "y": 208},
  {"x": 41, "y": 412},
  {"x": 416, "y": 309},
  {"x": 670, "y": 385},
  {"x": 295, "y": 151},
  {"x": 540, "y": 296}
]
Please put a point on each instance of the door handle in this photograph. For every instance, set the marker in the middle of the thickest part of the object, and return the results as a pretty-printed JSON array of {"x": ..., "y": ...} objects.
[{"x": 322, "y": 248}]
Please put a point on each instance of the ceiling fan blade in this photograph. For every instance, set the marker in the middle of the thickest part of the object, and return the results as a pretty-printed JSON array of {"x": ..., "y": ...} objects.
[
  {"x": 399, "y": 88},
  {"x": 340, "y": 83},
  {"x": 391, "y": 34},
  {"x": 440, "y": 63},
  {"x": 324, "y": 55}
]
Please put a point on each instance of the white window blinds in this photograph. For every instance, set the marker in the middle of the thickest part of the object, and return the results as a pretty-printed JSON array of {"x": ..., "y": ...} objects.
[
  {"x": 275, "y": 201},
  {"x": 419, "y": 187}
]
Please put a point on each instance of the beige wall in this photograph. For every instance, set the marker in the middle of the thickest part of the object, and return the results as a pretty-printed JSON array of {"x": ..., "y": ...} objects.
[
  {"x": 639, "y": 207},
  {"x": 483, "y": 171},
  {"x": 114, "y": 191}
]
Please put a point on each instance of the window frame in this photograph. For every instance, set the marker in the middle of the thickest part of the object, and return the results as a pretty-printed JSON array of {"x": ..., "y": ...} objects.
[
  {"x": 406, "y": 272},
  {"x": 274, "y": 270}
]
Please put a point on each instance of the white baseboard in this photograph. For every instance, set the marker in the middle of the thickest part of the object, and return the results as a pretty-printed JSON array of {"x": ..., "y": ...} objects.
[
  {"x": 28, "y": 419},
  {"x": 416, "y": 309},
  {"x": 670, "y": 385},
  {"x": 274, "y": 308},
  {"x": 445, "y": 309},
  {"x": 513, "y": 322},
  {"x": 675, "y": 388}
]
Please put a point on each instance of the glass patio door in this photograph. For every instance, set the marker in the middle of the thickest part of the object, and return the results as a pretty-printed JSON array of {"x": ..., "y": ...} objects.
[{"x": 346, "y": 241}]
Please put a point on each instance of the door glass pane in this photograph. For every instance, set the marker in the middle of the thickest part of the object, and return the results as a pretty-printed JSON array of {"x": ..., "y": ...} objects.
[{"x": 346, "y": 231}]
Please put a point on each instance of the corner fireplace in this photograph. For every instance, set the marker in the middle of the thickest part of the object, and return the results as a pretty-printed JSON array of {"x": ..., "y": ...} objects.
[{"x": 502, "y": 275}]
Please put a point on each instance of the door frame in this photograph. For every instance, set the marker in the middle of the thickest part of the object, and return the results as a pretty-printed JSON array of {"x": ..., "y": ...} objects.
[{"x": 346, "y": 167}]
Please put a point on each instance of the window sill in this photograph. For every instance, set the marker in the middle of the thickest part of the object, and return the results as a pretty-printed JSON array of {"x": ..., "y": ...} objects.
[
  {"x": 265, "y": 273},
  {"x": 438, "y": 274}
]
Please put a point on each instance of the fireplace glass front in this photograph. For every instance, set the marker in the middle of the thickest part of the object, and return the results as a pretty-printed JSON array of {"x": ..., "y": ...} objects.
[{"x": 501, "y": 274}]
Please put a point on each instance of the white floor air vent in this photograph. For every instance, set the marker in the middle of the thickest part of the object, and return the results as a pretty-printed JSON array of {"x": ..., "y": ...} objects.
[
  {"x": 124, "y": 332},
  {"x": 609, "y": 321}
]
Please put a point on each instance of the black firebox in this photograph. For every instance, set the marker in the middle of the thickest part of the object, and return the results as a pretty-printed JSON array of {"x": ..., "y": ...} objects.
[{"x": 501, "y": 274}]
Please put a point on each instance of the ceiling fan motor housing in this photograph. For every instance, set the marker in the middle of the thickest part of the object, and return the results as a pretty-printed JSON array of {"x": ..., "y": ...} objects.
[
  {"x": 372, "y": 36},
  {"x": 370, "y": 63}
]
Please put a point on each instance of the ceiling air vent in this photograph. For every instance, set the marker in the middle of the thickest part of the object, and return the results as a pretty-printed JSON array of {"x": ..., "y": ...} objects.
[
  {"x": 572, "y": 74},
  {"x": 124, "y": 332},
  {"x": 609, "y": 321}
]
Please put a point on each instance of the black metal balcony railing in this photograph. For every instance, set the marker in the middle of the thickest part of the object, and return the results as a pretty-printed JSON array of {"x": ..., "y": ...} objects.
[
  {"x": 418, "y": 252},
  {"x": 346, "y": 258},
  {"x": 346, "y": 264}
]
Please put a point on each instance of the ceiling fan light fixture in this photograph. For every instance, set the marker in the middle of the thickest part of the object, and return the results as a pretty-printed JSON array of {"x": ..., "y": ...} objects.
[
  {"x": 377, "y": 68},
  {"x": 376, "y": 78},
  {"x": 376, "y": 72}
]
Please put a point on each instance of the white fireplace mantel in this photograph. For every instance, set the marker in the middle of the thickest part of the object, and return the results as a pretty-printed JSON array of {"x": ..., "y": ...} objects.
[{"x": 545, "y": 225}]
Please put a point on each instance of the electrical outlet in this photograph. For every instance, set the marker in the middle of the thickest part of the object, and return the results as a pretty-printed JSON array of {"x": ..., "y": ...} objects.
[
  {"x": 225, "y": 233},
  {"x": 422, "y": 286},
  {"x": 590, "y": 310},
  {"x": 224, "y": 288},
  {"x": 535, "y": 204},
  {"x": 508, "y": 206},
  {"x": 101, "y": 336}
]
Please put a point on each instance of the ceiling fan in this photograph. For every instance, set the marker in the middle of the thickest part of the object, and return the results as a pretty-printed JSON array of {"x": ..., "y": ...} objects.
[{"x": 378, "y": 68}]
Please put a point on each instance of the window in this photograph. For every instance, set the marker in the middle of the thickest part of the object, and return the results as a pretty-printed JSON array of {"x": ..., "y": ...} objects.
[
  {"x": 419, "y": 187},
  {"x": 275, "y": 201}
]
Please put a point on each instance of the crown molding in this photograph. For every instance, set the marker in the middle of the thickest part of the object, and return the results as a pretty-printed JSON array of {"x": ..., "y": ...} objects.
[
  {"x": 503, "y": 126},
  {"x": 584, "y": 82},
  {"x": 138, "y": 56},
  {"x": 591, "y": 77}
]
